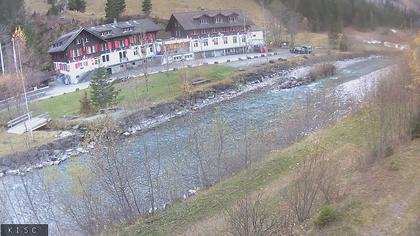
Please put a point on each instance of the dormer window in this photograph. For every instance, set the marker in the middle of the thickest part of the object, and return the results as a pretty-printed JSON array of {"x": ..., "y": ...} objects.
[
  {"x": 105, "y": 33},
  {"x": 233, "y": 19},
  {"x": 203, "y": 21},
  {"x": 218, "y": 20},
  {"x": 128, "y": 29}
]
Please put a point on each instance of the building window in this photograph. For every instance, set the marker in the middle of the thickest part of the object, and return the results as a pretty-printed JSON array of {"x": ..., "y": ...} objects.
[
  {"x": 235, "y": 39},
  {"x": 216, "y": 41},
  {"x": 105, "y": 58},
  {"x": 78, "y": 41},
  {"x": 225, "y": 40},
  {"x": 203, "y": 21},
  {"x": 196, "y": 44},
  {"x": 151, "y": 48},
  {"x": 206, "y": 43},
  {"x": 243, "y": 39},
  {"x": 218, "y": 20}
]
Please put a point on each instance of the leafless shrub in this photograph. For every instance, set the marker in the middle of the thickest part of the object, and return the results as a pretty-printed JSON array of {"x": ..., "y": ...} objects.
[
  {"x": 390, "y": 114},
  {"x": 287, "y": 223},
  {"x": 251, "y": 218},
  {"x": 316, "y": 179},
  {"x": 322, "y": 71}
]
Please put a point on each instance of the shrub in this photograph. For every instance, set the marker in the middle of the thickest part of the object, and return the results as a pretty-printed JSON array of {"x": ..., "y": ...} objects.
[
  {"x": 251, "y": 218},
  {"x": 322, "y": 71},
  {"x": 344, "y": 44},
  {"x": 326, "y": 215},
  {"x": 394, "y": 166}
]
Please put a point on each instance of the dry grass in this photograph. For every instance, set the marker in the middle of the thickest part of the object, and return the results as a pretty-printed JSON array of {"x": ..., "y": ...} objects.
[
  {"x": 314, "y": 39},
  {"x": 11, "y": 143},
  {"x": 95, "y": 9},
  {"x": 385, "y": 199}
]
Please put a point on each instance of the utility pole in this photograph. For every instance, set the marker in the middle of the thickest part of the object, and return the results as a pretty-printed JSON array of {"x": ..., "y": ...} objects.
[
  {"x": 2, "y": 61},
  {"x": 264, "y": 26},
  {"x": 246, "y": 41}
]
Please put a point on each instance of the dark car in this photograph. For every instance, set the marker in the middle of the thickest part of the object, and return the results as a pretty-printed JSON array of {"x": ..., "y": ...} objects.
[{"x": 301, "y": 50}]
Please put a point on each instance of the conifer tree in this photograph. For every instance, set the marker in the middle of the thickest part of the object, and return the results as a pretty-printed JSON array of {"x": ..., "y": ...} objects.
[
  {"x": 77, "y": 5},
  {"x": 147, "y": 7},
  {"x": 103, "y": 93},
  {"x": 114, "y": 9}
]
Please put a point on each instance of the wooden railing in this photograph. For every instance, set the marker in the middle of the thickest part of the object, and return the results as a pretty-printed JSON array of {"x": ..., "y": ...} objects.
[{"x": 18, "y": 120}]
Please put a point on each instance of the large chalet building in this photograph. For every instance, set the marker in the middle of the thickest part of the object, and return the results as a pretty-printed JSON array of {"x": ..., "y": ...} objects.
[
  {"x": 112, "y": 46},
  {"x": 216, "y": 33},
  {"x": 118, "y": 45}
]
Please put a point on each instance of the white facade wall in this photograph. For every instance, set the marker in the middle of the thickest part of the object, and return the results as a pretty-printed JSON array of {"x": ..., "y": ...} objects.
[
  {"x": 218, "y": 43},
  {"x": 77, "y": 70}
]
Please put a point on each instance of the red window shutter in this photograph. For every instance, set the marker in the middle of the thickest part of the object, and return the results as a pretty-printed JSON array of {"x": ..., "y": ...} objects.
[
  {"x": 126, "y": 42},
  {"x": 130, "y": 39},
  {"x": 71, "y": 53},
  {"x": 116, "y": 44},
  {"x": 97, "y": 48},
  {"x": 109, "y": 45},
  {"x": 81, "y": 51}
]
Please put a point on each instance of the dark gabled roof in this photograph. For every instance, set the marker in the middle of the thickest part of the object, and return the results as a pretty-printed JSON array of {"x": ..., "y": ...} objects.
[
  {"x": 64, "y": 41},
  {"x": 190, "y": 20},
  {"x": 116, "y": 29}
]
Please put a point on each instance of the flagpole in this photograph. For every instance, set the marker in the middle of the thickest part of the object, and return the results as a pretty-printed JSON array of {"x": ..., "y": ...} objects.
[
  {"x": 23, "y": 84},
  {"x": 1, "y": 58},
  {"x": 14, "y": 55}
]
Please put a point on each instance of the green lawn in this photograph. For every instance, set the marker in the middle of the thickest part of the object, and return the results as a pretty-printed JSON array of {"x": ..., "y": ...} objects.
[{"x": 162, "y": 87}]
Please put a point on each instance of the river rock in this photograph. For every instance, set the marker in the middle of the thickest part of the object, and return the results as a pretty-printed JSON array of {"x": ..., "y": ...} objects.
[
  {"x": 64, "y": 134},
  {"x": 12, "y": 172},
  {"x": 192, "y": 192}
]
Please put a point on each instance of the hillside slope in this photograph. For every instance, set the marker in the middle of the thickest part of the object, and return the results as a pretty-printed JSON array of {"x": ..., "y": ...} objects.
[{"x": 95, "y": 9}]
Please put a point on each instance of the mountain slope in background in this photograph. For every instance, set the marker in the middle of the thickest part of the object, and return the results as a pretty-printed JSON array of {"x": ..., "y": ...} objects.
[{"x": 95, "y": 9}]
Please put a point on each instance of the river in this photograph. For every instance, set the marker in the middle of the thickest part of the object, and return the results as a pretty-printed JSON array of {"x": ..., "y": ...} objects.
[{"x": 226, "y": 136}]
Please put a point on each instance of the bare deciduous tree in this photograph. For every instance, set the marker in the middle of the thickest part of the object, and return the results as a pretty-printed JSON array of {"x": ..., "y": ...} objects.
[{"x": 251, "y": 218}]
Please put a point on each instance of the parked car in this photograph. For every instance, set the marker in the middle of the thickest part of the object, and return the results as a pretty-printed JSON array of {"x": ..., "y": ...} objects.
[{"x": 301, "y": 50}]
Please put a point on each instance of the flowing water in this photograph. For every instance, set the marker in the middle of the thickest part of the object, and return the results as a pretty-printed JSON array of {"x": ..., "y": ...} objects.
[{"x": 252, "y": 124}]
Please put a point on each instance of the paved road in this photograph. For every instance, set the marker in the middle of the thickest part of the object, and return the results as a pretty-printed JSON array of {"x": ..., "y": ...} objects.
[{"x": 237, "y": 61}]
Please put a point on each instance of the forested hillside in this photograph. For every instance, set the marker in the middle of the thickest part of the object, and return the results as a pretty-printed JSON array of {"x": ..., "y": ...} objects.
[
  {"x": 322, "y": 14},
  {"x": 403, "y": 4}
]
